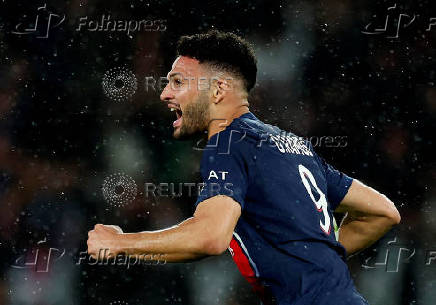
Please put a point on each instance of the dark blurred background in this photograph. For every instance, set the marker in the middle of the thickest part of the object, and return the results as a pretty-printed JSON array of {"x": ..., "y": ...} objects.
[{"x": 359, "y": 71}]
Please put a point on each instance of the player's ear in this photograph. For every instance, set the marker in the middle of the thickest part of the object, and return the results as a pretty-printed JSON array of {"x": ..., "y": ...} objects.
[{"x": 220, "y": 87}]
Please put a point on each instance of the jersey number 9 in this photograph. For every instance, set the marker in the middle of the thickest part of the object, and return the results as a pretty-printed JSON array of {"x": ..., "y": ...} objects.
[{"x": 321, "y": 204}]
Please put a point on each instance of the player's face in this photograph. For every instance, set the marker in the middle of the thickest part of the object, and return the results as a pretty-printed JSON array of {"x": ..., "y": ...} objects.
[{"x": 184, "y": 97}]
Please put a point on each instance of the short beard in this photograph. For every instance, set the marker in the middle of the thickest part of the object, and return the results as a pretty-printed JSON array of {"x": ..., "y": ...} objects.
[{"x": 196, "y": 117}]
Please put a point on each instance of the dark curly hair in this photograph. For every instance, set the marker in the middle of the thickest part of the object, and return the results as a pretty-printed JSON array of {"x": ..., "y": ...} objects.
[{"x": 224, "y": 50}]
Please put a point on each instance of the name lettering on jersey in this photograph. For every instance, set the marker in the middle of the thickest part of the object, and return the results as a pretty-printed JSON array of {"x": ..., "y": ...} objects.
[
  {"x": 214, "y": 174},
  {"x": 291, "y": 144}
]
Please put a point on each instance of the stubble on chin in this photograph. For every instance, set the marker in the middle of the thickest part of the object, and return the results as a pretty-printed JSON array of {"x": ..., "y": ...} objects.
[{"x": 196, "y": 118}]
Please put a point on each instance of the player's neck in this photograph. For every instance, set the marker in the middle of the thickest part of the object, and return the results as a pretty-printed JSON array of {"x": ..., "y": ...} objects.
[{"x": 222, "y": 121}]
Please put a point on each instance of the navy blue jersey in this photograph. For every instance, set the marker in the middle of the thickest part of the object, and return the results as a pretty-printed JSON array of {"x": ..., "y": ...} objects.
[{"x": 284, "y": 243}]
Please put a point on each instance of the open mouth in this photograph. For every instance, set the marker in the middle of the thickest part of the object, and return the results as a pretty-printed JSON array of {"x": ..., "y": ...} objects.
[{"x": 178, "y": 111}]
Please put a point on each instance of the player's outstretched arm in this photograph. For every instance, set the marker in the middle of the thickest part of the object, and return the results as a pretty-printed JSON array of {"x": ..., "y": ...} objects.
[
  {"x": 369, "y": 216},
  {"x": 208, "y": 232}
]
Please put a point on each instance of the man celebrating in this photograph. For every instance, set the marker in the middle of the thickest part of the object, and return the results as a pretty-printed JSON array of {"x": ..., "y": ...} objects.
[{"x": 268, "y": 197}]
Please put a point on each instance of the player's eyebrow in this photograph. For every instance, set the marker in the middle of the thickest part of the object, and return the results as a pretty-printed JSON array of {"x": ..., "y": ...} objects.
[{"x": 173, "y": 74}]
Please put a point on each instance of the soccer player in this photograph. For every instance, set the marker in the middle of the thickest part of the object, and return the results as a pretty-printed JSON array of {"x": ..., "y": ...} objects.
[{"x": 268, "y": 197}]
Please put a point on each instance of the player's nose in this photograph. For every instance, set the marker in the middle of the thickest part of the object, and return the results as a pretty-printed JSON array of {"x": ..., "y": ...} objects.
[{"x": 167, "y": 94}]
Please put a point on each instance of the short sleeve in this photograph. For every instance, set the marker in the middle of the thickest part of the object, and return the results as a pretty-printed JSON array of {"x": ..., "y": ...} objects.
[
  {"x": 224, "y": 168},
  {"x": 338, "y": 184}
]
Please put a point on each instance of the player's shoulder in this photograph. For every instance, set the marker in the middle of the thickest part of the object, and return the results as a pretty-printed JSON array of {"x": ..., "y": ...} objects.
[
  {"x": 238, "y": 136},
  {"x": 247, "y": 134},
  {"x": 251, "y": 129},
  {"x": 274, "y": 138},
  {"x": 254, "y": 128}
]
